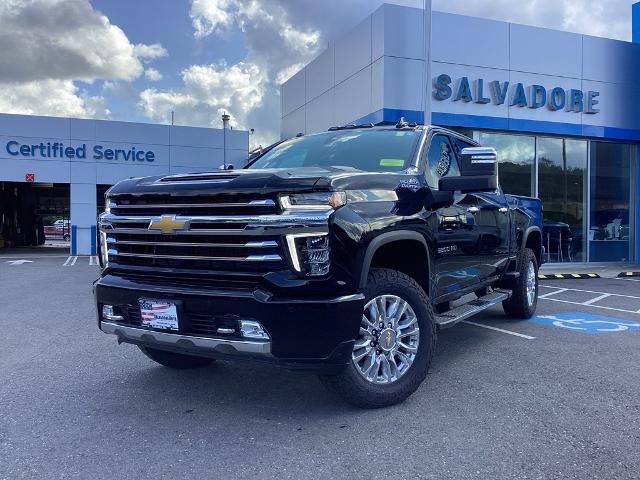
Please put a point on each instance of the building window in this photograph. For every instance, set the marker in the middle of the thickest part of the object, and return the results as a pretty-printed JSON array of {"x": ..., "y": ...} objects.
[
  {"x": 611, "y": 222},
  {"x": 516, "y": 155},
  {"x": 562, "y": 185}
]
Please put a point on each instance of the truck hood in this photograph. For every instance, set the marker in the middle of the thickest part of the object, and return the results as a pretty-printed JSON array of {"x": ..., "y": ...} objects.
[{"x": 259, "y": 181}]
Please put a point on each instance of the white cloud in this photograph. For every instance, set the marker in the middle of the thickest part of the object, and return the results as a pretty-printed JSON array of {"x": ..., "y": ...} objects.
[
  {"x": 47, "y": 45},
  {"x": 152, "y": 74},
  {"x": 207, "y": 91},
  {"x": 211, "y": 16},
  {"x": 65, "y": 39},
  {"x": 149, "y": 52},
  {"x": 36, "y": 98}
]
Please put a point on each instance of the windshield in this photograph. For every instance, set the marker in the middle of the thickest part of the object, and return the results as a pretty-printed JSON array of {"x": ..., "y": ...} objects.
[{"x": 368, "y": 150}]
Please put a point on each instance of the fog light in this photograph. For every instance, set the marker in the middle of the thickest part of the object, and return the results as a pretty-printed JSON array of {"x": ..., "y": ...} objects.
[
  {"x": 253, "y": 329},
  {"x": 108, "y": 313}
]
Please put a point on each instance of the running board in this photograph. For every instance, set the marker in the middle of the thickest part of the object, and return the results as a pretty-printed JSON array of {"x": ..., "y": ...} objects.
[{"x": 451, "y": 317}]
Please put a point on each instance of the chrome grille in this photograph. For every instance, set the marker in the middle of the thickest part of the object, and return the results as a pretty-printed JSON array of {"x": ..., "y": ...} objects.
[
  {"x": 213, "y": 233},
  {"x": 192, "y": 205}
]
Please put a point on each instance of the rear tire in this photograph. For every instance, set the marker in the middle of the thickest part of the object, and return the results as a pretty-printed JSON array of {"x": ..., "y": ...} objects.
[
  {"x": 408, "y": 346},
  {"x": 178, "y": 361},
  {"x": 524, "y": 298}
]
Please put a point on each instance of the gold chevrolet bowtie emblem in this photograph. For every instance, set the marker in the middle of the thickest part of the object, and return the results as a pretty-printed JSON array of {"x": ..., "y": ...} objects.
[
  {"x": 388, "y": 339},
  {"x": 169, "y": 224}
]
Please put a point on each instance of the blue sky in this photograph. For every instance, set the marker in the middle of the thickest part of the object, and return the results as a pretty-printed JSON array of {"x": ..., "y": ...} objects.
[{"x": 138, "y": 60}]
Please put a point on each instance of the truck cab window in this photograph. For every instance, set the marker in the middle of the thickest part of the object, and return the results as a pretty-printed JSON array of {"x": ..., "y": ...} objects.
[{"x": 441, "y": 160}]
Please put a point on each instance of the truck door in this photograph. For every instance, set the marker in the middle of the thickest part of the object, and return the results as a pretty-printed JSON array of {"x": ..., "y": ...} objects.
[
  {"x": 455, "y": 233},
  {"x": 492, "y": 220}
]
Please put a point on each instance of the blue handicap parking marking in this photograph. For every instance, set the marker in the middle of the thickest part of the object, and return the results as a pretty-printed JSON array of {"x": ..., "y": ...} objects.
[{"x": 586, "y": 322}]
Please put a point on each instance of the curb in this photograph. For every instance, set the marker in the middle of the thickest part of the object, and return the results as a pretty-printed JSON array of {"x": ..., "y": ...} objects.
[
  {"x": 568, "y": 276},
  {"x": 629, "y": 274}
]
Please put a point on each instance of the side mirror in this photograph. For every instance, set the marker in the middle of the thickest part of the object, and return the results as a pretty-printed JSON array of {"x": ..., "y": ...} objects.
[
  {"x": 478, "y": 171},
  {"x": 229, "y": 167},
  {"x": 476, "y": 161},
  {"x": 435, "y": 199}
]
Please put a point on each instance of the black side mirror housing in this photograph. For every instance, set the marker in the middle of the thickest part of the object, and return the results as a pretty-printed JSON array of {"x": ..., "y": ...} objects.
[
  {"x": 478, "y": 171},
  {"x": 435, "y": 199},
  {"x": 229, "y": 167}
]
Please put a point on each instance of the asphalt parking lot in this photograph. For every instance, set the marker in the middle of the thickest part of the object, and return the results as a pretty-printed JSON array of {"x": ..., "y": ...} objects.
[{"x": 554, "y": 397}]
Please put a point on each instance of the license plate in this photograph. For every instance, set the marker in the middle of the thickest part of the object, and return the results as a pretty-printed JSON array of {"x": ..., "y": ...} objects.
[{"x": 158, "y": 314}]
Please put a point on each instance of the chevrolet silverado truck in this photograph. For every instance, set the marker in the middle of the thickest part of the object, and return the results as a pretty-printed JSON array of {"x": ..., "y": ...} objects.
[{"x": 343, "y": 253}]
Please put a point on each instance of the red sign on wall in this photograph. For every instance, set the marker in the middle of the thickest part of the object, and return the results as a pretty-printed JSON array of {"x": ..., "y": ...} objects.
[{"x": 29, "y": 177}]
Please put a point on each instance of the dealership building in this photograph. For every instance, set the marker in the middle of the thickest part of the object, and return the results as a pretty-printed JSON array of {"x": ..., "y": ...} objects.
[
  {"x": 59, "y": 168},
  {"x": 562, "y": 110}
]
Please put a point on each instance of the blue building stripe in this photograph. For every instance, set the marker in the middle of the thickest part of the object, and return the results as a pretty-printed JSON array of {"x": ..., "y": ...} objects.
[{"x": 482, "y": 122}]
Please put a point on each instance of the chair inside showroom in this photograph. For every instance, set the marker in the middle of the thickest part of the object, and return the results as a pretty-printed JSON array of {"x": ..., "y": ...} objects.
[{"x": 558, "y": 240}]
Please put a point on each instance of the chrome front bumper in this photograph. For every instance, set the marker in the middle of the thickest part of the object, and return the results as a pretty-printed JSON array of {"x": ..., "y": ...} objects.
[{"x": 160, "y": 339}]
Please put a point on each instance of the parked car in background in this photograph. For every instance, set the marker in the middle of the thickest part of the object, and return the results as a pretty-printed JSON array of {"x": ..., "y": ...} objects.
[{"x": 60, "y": 229}]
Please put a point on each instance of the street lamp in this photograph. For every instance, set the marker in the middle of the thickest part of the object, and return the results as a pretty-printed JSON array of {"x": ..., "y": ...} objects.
[{"x": 225, "y": 124}]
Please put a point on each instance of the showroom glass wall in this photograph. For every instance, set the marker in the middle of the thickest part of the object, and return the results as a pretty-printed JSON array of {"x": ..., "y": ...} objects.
[{"x": 586, "y": 187}]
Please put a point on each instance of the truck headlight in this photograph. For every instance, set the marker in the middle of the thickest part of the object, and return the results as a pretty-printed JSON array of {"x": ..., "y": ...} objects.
[
  {"x": 313, "y": 201},
  {"x": 309, "y": 253}
]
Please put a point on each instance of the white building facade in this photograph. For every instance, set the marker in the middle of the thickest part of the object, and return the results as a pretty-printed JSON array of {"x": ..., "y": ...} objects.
[
  {"x": 562, "y": 109},
  {"x": 90, "y": 155}
]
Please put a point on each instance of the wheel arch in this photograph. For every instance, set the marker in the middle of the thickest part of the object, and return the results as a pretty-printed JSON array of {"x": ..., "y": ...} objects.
[
  {"x": 395, "y": 238},
  {"x": 532, "y": 239}
]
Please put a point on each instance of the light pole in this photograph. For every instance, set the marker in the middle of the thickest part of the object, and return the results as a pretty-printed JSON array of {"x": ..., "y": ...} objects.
[
  {"x": 225, "y": 124},
  {"x": 426, "y": 89}
]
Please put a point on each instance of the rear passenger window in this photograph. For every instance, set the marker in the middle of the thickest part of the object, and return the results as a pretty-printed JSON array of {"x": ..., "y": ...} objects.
[{"x": 441, "y": 160}]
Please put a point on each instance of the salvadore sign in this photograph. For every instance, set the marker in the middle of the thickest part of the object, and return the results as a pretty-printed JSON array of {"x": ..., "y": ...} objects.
[
  {"x": 59, "y": 150},
  {"x": 515, "y": 95}
]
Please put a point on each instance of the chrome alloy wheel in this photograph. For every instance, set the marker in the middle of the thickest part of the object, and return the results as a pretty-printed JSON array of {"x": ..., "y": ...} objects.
[
  {"x": 531, "y": 283},
  {"x": 388, "y": 340}
]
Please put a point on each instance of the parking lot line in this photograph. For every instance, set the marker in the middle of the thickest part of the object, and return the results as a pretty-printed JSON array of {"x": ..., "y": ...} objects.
[
  {"x": 93, "y": 260},
  {"x": 596, "y": 299},
  {"x": 628, "y": 279},
  {"x": 71, "y": 261},
  {"x": 501, "y": 330},
  {"x": 560, "y": 290},
  {"x": 593, "y": 306},
  {"x": 587, "y": 291}
]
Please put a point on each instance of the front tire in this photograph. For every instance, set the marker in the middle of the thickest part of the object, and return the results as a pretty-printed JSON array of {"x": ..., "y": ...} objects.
[
  {"x": 178, "y": 361},
  {"x": 524, "y": 299},
  {"x": 395, "y": 344}
]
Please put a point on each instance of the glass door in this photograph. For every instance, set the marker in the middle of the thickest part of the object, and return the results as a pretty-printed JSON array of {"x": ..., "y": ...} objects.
[
  {"x": 611, "y": 219},
  {"x": 562, "y": 186}
]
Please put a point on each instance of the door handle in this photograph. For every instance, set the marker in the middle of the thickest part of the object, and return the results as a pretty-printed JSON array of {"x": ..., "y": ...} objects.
[
  {"x": 503, "y": 209},
  {"x": 473, "y": 210}
]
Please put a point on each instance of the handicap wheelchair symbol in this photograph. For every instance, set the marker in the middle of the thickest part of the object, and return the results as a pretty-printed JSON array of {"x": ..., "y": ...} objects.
[{"x": 586, "y": 322}]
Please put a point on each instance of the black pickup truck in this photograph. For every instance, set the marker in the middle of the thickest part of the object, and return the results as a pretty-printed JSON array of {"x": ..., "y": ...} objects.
[{"x": 342, "y": 253}]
